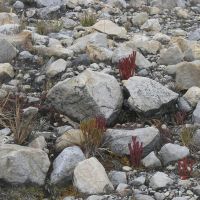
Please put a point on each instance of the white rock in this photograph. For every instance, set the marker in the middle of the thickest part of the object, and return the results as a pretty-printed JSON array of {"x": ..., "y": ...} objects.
[
  {"x": 192, "y": 95},
  {"x": 65, "y": 163},
  {"x": 117, "y": 177},
  {"x": 173, "y": 152},
  {"x": 151, "y": 25},
  {"x": 160, "y": 180},
  {"x": 151, "y": 161},
  {"x": 90, "y": 177},
  {"x": 196, "y": 114},
  {"x": 6, "y": 71},
  {"x": 21, "y": 164}
]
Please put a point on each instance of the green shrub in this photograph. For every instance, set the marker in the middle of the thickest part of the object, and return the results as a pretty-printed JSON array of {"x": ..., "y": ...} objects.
[{"x": 88, "y": 19}]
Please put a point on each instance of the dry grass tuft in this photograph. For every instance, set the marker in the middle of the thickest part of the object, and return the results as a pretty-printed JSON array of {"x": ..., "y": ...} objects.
[
  {"x": 88, "y": 19},
  {"x": 12, "y": 116}
]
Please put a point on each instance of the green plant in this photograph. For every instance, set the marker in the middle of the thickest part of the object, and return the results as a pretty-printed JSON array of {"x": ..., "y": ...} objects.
[
  {"x": 45, "y": 27},
  {"x": 88, "y": 19},
  {"x": 186, "y": 136},
  {"x": 13, "y": 117},
  {"x": 92, "y": 135}
]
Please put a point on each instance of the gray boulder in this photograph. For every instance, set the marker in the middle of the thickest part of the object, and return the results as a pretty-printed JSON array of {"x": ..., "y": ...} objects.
[
  {"x": 196, "y": 114},
  {"x": 64, "y": 164},
  {"x": 173, "y": 152},
  {"x": 90, "y": 177},
  {"x": 7, "y": 51},
  {"x": 87, "y": 95},
  {"x": 147, "y": 95},
  {"x": 160, "y": 180},
  {"x": 117, "y": 177},
  {"x": 119, "y": 139},
  {"x": 151, "y": 161},
  {"x": 21, "y": 164},
  {"x": 168, "y": 4}
]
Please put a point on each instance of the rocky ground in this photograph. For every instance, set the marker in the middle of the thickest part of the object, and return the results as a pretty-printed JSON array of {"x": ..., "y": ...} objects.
[{"x": 59, "y": 68}]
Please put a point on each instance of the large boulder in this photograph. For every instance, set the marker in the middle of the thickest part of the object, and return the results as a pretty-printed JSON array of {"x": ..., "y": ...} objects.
[
  {"x": 173, "y": 152},
  {"x": 118, "y": 139},
  {"x": 7, "y": 51},
  {"x": 21, "y": 164},
  {"x": 147, "y": 95},
  {"x": 87, "y": 95},
  {"x": 110, "y": 28},
  {"x": 90, "y": 177},
  {"x": 64, "y": 164},
  {"x": 188, "y": 75}
]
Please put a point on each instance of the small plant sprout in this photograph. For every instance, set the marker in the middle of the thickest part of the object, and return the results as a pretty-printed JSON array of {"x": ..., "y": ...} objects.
[
  {"x": 127, "y": 66},
  {"x": 136, "y": 151},
  {"x": 185, "y": 168},
  {"x": 88, "y": 19},
  {"x": 180, "y": 117}
]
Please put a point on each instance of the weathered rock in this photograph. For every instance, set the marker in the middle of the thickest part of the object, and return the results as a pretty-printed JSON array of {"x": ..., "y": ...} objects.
[
  {"x": 143, "y": 197},
  {"x": 147, "y": 100},
  {"x": 192, "y": 95},
  {"x": 160, "y": 180},
  {"x": 110, "y": 28},
  {"x": 90, "y": 177},
  {"x": 151, "y": 161},
  {"x": 56, "y": 67},
  {"x": 38, "y": 143},
  {"x": 87, "y": 95},
  {"x": 65, "y": 163},
  {"x": 196, "y": 138},
  {"x": 21, "y": 164},
  {"x": 170, "y": 56},
  {"x": 187, "y": 75},
  {"x": 99, "y": 53},
  {"x": 168, "y": 4},
  {"x": 118, "y": 3},
  {"x": 7, "y": 52},
  {"x": 69, "y": 138},
  {"x": 117, "y": 177},
  {"x": 138, "y": 181},
  {"x": 48, "y": 3},
  {"x": 197, "y": 190},
  {"x": 139, "y": 18},
  {"x": 59, "y": 52},
  {"x": 8, "y": 18},
  {"x": 162, "y": 38},
  {"x": 137, "y": 3},
  {"x": 99, "y": 39},
  {"x": 119, "y": 139},
  {"x": 6, "y": 72},
  {"x": 194, "y": 35},
  {"x": 196, "y": 114},
  {"x": 151, "y": 25},
  {"x": 173, "y": 152}
]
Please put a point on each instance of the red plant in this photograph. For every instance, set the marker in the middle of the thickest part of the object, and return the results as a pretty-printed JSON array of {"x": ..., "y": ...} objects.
[
  {"x": 100, "y": 123},
  {"x": 127, "y": 66},
  {"x": 136, "y": 150},
  {"x": 185, "y": 168},
  {"x": 180, "y": 117}
]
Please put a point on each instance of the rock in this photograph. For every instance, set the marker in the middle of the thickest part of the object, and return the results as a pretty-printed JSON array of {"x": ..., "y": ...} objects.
[
  {"x": 162, "y": 38},
  {"x": 123, "y": 52},
  {"x": 171, "y": 56},
  {"x": 110, "y": 28},
  {"x": 194, "y": 35},
  {"x": 122, "y": 189},
  {"x": 48, "y": 3},
  {"x": 8, "y": 18},
  {"x": 195, "y": 2},
  {"x": 3, "y": 94},
  {"x": 151, "y": 25},
  {"x": 87, "y": 95},
  {"x": 90, "y": 177},
  {"x": 159, "y": 196},
  {"x": 173, "y": 152},
  {"x": 184, "y": 105},
  {"x": 151, "y": 161},
  {"x": 196, "y": 138},
  {"x": 99, "y": 53},
  {"x": 118, "y": 3},
  {"x": 160, "y": 180},
  {"x": 147, "y": 101},
  {"x": 7, "y": 52},
  {"x": 143, "y": 197},
  {"x": 56, "y": 68},
  {"x": 69, "y": 138},
  {"x": 154, "y": 10},
  {"x": 117, "y": 177},
  {"x": 137, "y": 3},
  {"x": 196, "y": 190},
  {"x": 99, "y": 39},
  {"x": 60, "y": 52},
  {"x": 6, "y": 72},
  {"x": 182, "y": 13},
  {"x": 187, "y": 75},
  {"x": 196, "y": 114},
  {"x": 21, "y": 164},
  {"x": 192, "y": 95},
  {"x": 138, "y": 181},
  {"x": 119, "y": 139},
  {"x": 38, "y": 143},
  {"x": 65, "y": 163},
  {"x": 150, "y": 47},
  {"x": 168, "y": 4},
  {"x": 139, "y": 18},
  {"x": 18, "y": 5}
]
